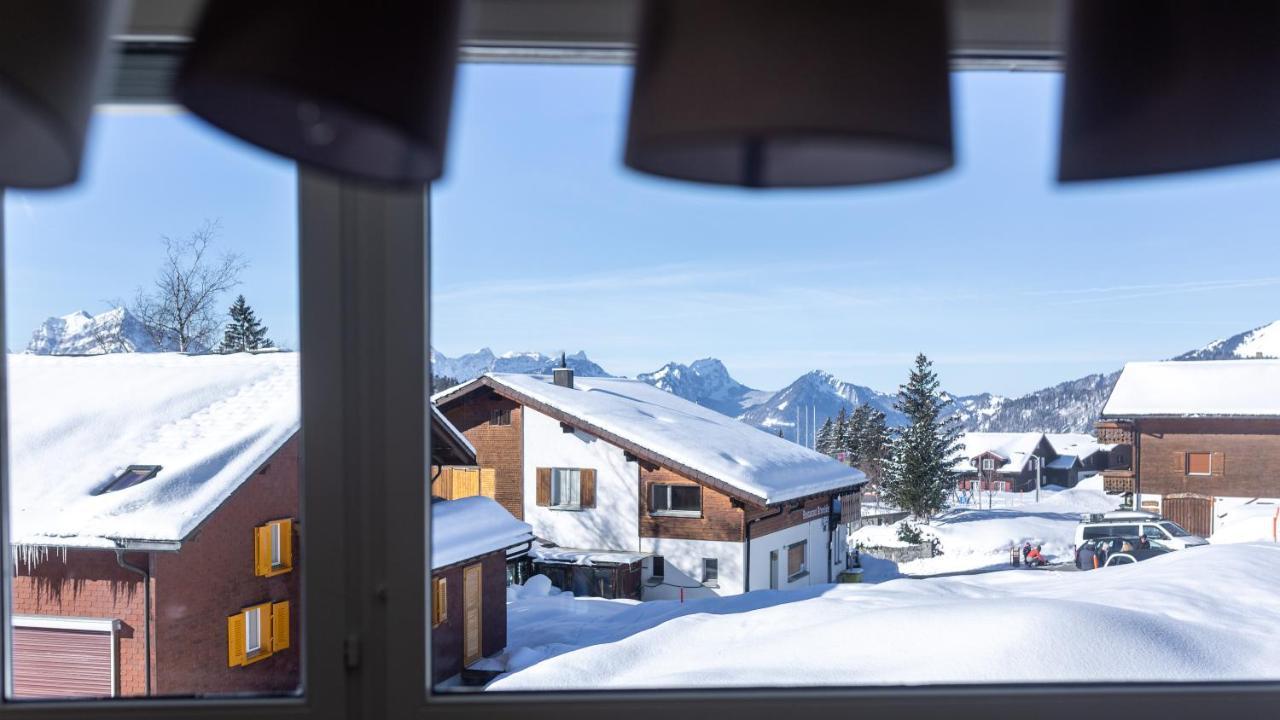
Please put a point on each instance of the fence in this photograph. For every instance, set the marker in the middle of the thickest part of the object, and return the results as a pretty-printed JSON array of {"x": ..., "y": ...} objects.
[{"x": 461, "y": 482}]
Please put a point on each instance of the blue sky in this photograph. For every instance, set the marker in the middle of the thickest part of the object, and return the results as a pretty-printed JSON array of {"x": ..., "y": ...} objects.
[{"x": 542, "y": 240}]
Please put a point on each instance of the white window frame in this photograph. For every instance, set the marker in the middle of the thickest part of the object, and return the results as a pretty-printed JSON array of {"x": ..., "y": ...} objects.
[
  {"x": 655, "y": 511},
  {"x": 988, "y": 464},
  {"x": 562, "y": 480},
  {"x": 357, "y": 667},
  {"x": 253, "y": 631},
  {"x": 277, "y": 556}
]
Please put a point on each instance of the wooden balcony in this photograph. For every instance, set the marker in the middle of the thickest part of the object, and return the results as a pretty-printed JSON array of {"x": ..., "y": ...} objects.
[{"x": 1118, "y": 482}]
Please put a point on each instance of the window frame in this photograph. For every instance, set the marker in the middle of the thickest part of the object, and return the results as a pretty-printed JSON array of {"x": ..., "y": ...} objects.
[
  {"x": 804, "y": 560},
  {"x": 655, "y": 511},
  {"x": 361, "y": 599},
  {"x": 575, "y": 488},
  {"x": 1207, "y": 473},
  {"x": 711, "y": 572}
]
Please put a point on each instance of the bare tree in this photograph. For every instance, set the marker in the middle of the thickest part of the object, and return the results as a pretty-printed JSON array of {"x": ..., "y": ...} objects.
[{"x": 181, "y": 310}]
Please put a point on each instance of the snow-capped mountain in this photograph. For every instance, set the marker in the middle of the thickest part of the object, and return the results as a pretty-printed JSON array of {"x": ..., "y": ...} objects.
[
  {"x": 708, "y": 383},
  {"x": 116, "y": 330},
  {"x": 816, "y": 394},
  {"x": 1263, "y": 342},
  {"x": 1071, "y": 406},
  {"x": 472, "y": 365}
]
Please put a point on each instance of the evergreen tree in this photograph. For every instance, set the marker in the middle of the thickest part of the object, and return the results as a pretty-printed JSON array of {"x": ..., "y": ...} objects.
[
  {"x": 842, "y": 436},
  {"x": 857, "y": 425},
  {"x": 779, "y": 432},
  {"x": 827, "y": 438},
  {"x": 245, "y": 331},
  {"x": 874, "y": 445},
  {"x": 918, "y": 476}
]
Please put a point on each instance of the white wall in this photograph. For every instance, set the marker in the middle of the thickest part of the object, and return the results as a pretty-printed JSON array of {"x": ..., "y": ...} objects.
[
  {"x": 819, "y": 572},
  {"x": 614, "y": 523},
  {"x": 684, "y": 567}
]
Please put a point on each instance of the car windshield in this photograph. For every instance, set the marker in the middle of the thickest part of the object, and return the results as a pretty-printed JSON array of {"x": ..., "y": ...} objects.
[{"x": 1175, "y": 529}]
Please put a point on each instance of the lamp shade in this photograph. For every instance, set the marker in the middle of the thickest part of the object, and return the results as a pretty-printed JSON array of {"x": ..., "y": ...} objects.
[
  {"x": 1160, "y": 86},
  {"x": 362, "y": 89},
  {"x": 765, "y": 93},
  {"x": 51, "y": 62}
]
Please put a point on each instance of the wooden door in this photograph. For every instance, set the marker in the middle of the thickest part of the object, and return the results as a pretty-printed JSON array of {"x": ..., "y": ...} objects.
[
  {"x": 1190, "y": 510},
  {"x": 472, "y": 615}
]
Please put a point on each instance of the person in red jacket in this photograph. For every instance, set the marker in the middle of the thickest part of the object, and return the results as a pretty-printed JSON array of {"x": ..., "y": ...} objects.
[{"x": 1035, "y": 558}]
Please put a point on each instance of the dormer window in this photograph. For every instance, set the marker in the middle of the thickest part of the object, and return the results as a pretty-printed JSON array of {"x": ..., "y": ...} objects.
[{"x": 132, "y": 475}]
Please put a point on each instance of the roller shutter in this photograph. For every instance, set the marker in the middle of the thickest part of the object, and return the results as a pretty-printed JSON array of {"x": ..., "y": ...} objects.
[{"x": 59, "y": 662}]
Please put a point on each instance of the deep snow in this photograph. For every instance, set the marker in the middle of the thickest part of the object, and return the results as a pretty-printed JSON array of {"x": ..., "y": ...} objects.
[{"x": 1204, "y": 614}]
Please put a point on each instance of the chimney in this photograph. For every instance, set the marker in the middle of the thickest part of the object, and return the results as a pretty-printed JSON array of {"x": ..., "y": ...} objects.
[{"x": 563, "y": 375}]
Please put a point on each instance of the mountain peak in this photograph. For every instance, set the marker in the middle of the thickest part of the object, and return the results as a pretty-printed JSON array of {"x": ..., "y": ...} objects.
[
  {"x": 79, "y": 333},
  {"x": 1260, "y": 342}
]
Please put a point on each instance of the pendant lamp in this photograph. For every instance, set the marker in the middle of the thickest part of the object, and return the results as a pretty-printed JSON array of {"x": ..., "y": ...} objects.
[
  {"x": 767, "y": 93},
  {"x": 51, "y": 63},
  {"x": 1161, "y": 86},
  {"x": 362, "y": 89}
]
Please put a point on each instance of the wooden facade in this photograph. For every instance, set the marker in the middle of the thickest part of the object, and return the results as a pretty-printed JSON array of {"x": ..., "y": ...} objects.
[
  {"x": 475, "y": 614},
  {"x": 493, "y": 424}
]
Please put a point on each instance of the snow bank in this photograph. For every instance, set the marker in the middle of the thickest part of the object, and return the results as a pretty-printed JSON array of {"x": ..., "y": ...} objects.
[
  {"x": 76, "y": 423},
  {"x": 471, "y": 527},
  {"x": 1203, "y": 614},
  {"x": 753, "y": 461},
  {"x": 977, "y": 538},
  {"x": 1253, "y": 522}
]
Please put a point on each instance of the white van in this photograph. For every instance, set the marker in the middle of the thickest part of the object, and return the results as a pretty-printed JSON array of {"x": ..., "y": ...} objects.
[{"x": 1134, "y": 524}]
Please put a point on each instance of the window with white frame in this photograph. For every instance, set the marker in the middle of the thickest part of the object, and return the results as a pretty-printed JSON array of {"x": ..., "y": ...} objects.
[
  {"x": 675, "y": 500},
  {"x": 566, "y": 488}
]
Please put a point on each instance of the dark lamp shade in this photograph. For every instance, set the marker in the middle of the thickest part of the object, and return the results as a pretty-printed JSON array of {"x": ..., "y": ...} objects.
[
  {"x": 51, "y": 64},
  {"x": 767, "y": 93},
  {"x": 361, "y": 89},
  {"x": 1162, "y": 86}
]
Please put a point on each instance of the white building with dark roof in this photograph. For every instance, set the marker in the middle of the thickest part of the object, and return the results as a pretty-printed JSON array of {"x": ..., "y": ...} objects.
[{"x": 610, "y": 464}]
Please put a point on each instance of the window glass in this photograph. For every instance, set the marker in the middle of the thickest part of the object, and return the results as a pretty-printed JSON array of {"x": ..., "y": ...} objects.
[
  {"x": 1154, "y": 532},
  {"x": 153, "y": 415},
  {"x": 566, "y": 487},
  {"x": 815, "y": 322},
  {"x": 1174, "y": 529}
]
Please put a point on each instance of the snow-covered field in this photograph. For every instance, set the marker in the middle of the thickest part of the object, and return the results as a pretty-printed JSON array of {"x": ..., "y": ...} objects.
[
  {"x": 1204, "y": 614},
  {"x": 973, "y": 539}
]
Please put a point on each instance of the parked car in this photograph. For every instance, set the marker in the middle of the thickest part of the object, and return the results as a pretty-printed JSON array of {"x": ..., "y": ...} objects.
[
  {"x": 1110, "y": 551},
  {"x": 1133, "y": 524}
]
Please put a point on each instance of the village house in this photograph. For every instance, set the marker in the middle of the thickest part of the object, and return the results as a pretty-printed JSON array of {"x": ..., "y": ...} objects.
[
  {"x": 617, "y": 475},
  {"x": 1194, "y": 437},
  {"x": 471, "y": 541},
  {"x": 155, "y": 524},
  {"x": 1009, "y": 461}
]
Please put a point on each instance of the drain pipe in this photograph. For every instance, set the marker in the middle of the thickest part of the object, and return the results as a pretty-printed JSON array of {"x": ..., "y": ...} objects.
[
  {"x": 746, "y": 573},
  {"x": 146, "y": 609}
]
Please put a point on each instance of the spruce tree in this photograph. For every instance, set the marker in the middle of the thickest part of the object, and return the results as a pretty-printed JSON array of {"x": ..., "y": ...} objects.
[
  {"x": 918, "y": 476},
  {"x": 245, "y": 331},
  {"x": 827, "y": 438},
  {"x": 842, "y": 436},
  {"x": 857, "y": 426},
  {"x": 874, "y": 444}
]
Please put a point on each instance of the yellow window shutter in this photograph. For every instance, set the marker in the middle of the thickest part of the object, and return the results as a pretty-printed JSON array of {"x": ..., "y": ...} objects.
[
  {"x": 235, "y": 640},
  {"x": 265, "y": 625},
  {"x": 286, "y": 543},
  {"x": 279, "y": 626},
  {"x": 262, "y": 550}
]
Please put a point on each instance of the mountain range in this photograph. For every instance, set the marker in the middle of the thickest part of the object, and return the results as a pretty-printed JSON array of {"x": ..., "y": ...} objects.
[
  {"x": 1070, "y": 406},
  {"x": 116, "y": 330}
]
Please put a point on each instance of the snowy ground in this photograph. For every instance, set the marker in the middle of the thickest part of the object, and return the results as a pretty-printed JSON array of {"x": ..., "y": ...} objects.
[
  {"x": 1255, "y": 521},
  {"x": 974, "y": 539},
  {"x": 1204, "y": 614}
]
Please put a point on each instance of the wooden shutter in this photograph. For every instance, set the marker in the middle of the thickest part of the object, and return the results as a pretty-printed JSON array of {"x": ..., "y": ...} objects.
[
  {"x": 1219, "y": 468},
  {"x": 488, "y": 482},
  {"x": 544, "y": 487},
  {"x": 235, "y": 640},
  {"x": 286, "y": 543},
  {"x": 1181, "y": 457},
  {"x": 262, "y": 550},
  {"x": 279, "y": 626},
  {"x": 587, "y": 477},
  {"x": 439, "y": 601}
]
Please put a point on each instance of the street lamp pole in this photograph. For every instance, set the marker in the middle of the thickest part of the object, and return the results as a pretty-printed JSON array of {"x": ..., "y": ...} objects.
[{"x": 1039, "y": 464}]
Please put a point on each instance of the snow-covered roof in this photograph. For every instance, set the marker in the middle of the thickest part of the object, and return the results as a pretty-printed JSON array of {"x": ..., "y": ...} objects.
[
  {"x": 1239, "y": 388},
  {"x": 471, "y": 527},
  {"x": 1016, "y": 448},
  {"x": 1080, "y": 445},
  {"x": 682, "y": 435},
  {"x": 1063, "y": 462},
  {"x": 76, "y": 423},
  {"x": 573, "y": 556}
]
